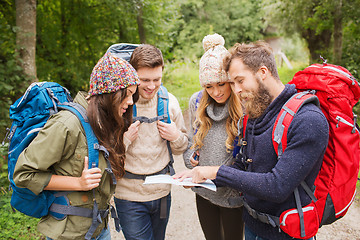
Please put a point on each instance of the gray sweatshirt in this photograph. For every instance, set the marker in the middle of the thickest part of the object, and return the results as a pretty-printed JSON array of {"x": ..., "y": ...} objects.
[{"x": 213, "y": 153}]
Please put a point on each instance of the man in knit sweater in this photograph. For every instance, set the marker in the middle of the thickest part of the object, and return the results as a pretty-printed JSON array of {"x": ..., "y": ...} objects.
[
  {"x": 144, "y": 209},
  {"x": 267, "y": 182}
]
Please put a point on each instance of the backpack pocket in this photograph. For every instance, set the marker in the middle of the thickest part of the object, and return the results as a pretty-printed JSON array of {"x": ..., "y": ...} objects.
[{"x": 290, "y": 222}]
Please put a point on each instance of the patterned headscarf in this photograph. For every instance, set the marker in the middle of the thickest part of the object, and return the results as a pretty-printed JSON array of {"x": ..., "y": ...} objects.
[{"x": 111, "y": 74}]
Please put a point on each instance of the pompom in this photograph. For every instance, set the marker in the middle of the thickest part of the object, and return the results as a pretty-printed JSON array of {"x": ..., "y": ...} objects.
[{"x": 213, "y": 40}]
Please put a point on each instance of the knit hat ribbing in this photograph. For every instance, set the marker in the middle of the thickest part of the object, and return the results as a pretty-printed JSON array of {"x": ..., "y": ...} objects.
[
  {"x": 210, "y": 66},
  {"x": 111, "y": 74}
]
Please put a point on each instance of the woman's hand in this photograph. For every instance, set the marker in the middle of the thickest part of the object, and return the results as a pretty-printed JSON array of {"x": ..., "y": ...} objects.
[
  {"x": 90, "y": 178},
  {"x": 194, "y": 159}
]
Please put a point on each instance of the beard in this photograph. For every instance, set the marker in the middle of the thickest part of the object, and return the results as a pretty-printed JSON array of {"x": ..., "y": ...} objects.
[{"x": 256, "y": 101}]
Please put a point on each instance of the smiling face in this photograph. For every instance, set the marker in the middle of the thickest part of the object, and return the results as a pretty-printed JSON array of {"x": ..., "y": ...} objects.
[
  {"x": 150, "y": 81},
  {"x": 220, "y": 92},
  {"x": 128, "y": 100},
  {"x": 250, "y": 88}
]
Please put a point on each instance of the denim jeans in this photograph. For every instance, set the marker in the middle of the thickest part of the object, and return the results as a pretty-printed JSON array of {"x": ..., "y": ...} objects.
[
  {"x": 249, "y": 235},
  {"x": 141, "y": 220},
  {"x": 104, "y": 235}
]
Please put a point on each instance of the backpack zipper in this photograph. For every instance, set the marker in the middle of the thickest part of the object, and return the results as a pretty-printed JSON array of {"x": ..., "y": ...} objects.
[
  {"x": 352, "y": 78},
  {"x": 305, "y": 209},
  {"x": 340, "y": 119}
]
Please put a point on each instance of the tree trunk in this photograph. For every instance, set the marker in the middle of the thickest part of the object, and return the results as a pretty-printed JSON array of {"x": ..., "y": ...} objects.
[
  {"x": 140, "y": 22},
  {"x": 26, "y": 35},
  {"x": 318, "y": 44},
  {"x": 338, "y": 32}
]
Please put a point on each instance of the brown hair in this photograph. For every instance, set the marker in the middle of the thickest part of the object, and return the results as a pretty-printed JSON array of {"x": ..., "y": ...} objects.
[
  {"x": 203, "y": 123},
  {"x": 253, "y": 55},
  {"x": 146, "y": 55},
  {"x": 109, "y": 126}
]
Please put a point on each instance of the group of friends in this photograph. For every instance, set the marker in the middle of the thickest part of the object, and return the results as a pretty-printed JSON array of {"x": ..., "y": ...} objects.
[{"x": 235, "y": 82}]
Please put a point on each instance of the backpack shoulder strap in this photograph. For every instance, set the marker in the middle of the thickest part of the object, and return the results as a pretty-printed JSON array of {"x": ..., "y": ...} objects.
[
  {"x": 162, "y": 109},
  {"x": 164, "y": 116},
  {"x": 92, "y": 142},
  {"x": 163, "y": 104},
  {"x": 285, "y": 117},
  {"x": 245, "y": 119},
  {"x": 198, "y": 98},
  {"x": 197, "y": 103}
]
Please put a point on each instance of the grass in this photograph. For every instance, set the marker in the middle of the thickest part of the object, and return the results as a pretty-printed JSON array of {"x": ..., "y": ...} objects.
[
  {"x": 15, "y": 225},
  {"x": 182, "y": 80}
]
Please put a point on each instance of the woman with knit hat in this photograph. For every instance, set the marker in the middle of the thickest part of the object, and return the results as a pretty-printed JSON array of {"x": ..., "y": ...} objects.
[
  {"x": 57, "y": 159},
  {"x": 214, "y": 114}
]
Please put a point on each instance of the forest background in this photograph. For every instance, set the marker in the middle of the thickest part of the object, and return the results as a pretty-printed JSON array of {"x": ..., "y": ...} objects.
[{"x": 62, "y": 40}]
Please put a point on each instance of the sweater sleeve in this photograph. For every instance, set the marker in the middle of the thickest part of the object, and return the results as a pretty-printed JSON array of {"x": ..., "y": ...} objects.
[
  {"x": 33, "y": 169},
  {"x": 179, "y": 145},
  {"x": 306, "y": 144}
]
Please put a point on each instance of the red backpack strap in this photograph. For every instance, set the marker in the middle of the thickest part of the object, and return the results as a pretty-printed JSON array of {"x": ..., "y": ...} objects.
[
  {"x": 286, "y": 115},
  {"x": 246, "y": 117}
]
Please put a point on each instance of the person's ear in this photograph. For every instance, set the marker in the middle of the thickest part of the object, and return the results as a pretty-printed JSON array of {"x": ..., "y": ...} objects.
[{"x": 263, "y": 72}]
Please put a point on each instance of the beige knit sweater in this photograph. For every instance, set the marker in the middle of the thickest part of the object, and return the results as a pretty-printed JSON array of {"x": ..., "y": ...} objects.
[{"x": 149, "y": 154}]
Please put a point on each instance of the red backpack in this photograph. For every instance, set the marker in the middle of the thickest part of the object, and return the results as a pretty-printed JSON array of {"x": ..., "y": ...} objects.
[{"x": 337, "y": 91}]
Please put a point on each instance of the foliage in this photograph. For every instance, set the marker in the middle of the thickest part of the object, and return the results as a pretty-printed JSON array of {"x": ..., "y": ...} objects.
[
  {"x": 4, "y": 182},
  {"x": 286, "y": 74},
  {"x": 236, "y": 21},
  {"x": 12, "y": 79},
  {"x": 73, "y": 34},
  {"x": 313, "y": 20},
  {"x": 182, "y": 80},
  {"x": 15, "y": 225},
  {"x": 351, "y": 42}
]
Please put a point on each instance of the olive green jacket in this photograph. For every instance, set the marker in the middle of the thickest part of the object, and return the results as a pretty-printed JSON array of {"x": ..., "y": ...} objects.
[{"x": 60, "y": 149}]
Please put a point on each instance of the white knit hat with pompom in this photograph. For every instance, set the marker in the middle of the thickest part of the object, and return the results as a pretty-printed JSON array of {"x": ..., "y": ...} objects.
[{"x": 210, "y": 66}]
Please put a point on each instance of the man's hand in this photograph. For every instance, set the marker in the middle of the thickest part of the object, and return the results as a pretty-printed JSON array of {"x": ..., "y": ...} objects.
[
  {"x": 90, "y": 178},
  {"x": 198, "y": 174},
  {"x": 132, "y": 132},
  {"x": 168, "y": 131}
]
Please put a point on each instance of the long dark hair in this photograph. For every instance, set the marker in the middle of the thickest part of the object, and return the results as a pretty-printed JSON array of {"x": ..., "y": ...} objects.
[{"x": 109, "y": 126}]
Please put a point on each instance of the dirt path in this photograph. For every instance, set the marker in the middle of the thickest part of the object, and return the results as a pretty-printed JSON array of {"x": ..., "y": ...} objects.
[{"x": 184, "y": 224}]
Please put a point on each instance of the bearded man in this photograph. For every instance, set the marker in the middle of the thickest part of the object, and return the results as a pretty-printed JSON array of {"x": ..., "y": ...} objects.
[{"x": 266, "y": 181}]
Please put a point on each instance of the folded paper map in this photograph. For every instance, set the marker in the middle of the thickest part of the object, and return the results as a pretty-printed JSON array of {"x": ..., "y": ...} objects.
[{"x": 162, "y": 178}]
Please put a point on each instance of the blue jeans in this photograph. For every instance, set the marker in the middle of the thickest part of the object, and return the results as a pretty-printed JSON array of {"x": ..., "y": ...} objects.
[
  {"x": 104, "y": 235},
  {"x": 141, "y": 220},
  {"x": 249, "y": 235}
]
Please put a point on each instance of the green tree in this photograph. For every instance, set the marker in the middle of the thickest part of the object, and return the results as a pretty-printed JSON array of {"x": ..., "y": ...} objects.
[
  {"x": 26, "y": 35},
  {"x": 73, "y": 34},
  {"x": 13, "y": 80},
  {"x": 236, "y": 21},
  {"x": 322, "y": 23}
]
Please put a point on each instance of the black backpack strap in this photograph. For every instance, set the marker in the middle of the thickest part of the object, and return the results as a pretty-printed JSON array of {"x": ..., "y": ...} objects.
[
  {"x": 165, "y": 170},
  {"x": 262, "y": 217},
  {"x": 143, "y": 119}
]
